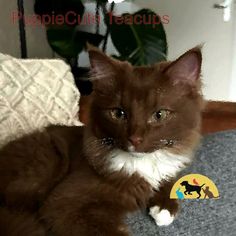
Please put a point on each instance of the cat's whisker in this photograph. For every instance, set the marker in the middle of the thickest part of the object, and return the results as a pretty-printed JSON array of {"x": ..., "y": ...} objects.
[
  {"x": 99, "y": 144},
  {"x": 91, "y": 144},
  {"x": 164, "y": 143},
  {"x": 108, "y": 141},
  {"x": 168, "y": 142}
]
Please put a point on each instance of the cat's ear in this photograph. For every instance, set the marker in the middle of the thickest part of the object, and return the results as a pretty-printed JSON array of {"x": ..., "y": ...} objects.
[
  {"x": 187, "y": 68},
  {"x": 103, "y": 70},
  {"x": 102, "y": 66}
]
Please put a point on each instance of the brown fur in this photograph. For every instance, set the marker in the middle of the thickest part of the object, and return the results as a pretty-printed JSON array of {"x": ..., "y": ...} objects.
[
  {"x": 58, "y": 180},
  {"x": 17, "y": 223}
]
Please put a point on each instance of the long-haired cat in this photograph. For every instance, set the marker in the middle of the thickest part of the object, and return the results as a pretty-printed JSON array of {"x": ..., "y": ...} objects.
[{"x": 81, "y": 181}]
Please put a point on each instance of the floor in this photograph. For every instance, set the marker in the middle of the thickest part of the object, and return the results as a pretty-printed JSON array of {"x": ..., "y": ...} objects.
[{"x": 218, "y": 116}]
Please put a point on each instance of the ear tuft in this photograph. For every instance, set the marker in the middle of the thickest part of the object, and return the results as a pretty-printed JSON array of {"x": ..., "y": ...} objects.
[
  {"x": 102, "y": 66},
  {"x": 187, "y": 68},
  {"x": 90, "y": 47},
  {"x": 102, "y": 72}
]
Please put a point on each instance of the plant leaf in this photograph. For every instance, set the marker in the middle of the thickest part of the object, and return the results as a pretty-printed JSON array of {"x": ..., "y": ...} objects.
[
  {"x": 53, "y": 8},
  {"x": 140, "y": 44},
  {"x": 68, "y": 42}
]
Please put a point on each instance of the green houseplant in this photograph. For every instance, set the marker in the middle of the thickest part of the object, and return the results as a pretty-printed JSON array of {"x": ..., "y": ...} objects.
[{"x": 140, "y": 44}]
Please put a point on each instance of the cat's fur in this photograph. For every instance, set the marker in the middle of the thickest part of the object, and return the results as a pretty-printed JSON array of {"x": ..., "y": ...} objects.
[{"x": 82, "y": 181}]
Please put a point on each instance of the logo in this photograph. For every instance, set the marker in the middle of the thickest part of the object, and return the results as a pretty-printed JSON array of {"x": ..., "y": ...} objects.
[{"x": 194, "y": 186}]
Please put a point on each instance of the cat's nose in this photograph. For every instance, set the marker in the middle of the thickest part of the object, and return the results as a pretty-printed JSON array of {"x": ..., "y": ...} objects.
[{"x": 135, "y": 140}]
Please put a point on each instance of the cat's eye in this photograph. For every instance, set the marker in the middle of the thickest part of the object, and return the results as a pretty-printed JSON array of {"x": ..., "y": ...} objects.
[
  {"x": 118, "y": 114},
  {"x": 160, "y": 115}
]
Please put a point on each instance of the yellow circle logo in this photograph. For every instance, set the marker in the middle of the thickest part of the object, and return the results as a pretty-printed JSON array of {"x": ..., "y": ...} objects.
[{"x": 194, "y": 186}]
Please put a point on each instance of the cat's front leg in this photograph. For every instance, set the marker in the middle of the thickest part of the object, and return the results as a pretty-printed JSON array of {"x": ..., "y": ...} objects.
[
  {"x": 163, "y": 209},
  {"x": 77, "y": 213},
  {"x": 87, "y": 223}
]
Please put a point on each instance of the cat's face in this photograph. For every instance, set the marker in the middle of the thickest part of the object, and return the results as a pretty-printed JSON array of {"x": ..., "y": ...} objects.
[{"x": 143, "y": 109}]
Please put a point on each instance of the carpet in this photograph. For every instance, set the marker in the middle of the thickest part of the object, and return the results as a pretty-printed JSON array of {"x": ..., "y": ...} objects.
[{"x": 216, "y": 159}]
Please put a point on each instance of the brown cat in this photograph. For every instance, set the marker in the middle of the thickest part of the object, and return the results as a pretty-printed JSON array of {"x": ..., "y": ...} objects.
[{"x": 143, "y": 128}]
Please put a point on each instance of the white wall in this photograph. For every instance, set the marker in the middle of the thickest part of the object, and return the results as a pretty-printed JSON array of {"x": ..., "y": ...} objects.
[
  {"x": 36, "y": 36},
  {"x": 9, "y": 37},
  {"x": 194, "y": 22},
  {"x": 232, "y": 95},
  {"x": 9, "y": 32}
]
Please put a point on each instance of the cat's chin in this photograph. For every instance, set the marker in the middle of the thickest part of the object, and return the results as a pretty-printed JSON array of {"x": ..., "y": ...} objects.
[
  {"x": 131, "y": 148},
  {"x": 134, "y": 153},
  {"x": 138, "y": 153}
]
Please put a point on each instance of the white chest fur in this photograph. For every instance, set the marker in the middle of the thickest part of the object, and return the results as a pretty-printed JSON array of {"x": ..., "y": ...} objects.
[{"x": 153, "y": 167}]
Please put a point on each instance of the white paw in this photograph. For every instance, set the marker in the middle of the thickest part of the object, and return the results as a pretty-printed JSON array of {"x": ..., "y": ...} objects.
[{"x": 162, "y": 217}]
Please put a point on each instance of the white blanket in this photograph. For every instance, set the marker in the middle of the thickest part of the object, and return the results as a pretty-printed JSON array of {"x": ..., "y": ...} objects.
[{"x": 33, "y": 94}]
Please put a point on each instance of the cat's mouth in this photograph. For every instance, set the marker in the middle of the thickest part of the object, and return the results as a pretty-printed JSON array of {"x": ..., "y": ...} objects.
[
  {"x": 131, "y": 148},
  {"x": 137, "y": 154},
  {"x": 138, "y": 151},
  {"x": 163, "y": 143},
  {"x": 108, "y": 141},
  {"x": 133, "y": 152}
]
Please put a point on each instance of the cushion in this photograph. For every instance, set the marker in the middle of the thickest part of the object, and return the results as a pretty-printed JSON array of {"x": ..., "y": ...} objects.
[{"x": 33, "y": 94}]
